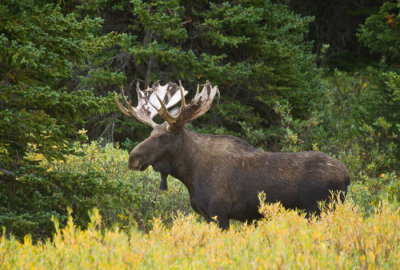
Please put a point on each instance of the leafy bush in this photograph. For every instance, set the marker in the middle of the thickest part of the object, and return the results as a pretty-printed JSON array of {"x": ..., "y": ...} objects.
[
  {"x": 146, "y": 200},
  {"x": 369, "y": 193},
  {"x": 97, "y": 177},
  {"x": 356, "y": 120},
  {"x": 340, "y": 239}
]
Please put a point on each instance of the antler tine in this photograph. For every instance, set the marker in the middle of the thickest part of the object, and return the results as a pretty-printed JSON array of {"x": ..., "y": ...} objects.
[
  {"x": 138, "y": 113},
  {"x": 183, "y": 101},
  {"x": 197, "y": 91},
  {"x": 163, "y": 111},
  {"x": 123, "y": 97},
  {"x": 120, "y": 107},
  {"x": 138, "y": 88},
  {"x": 219, "y": 94},
  {"x": 128, "y": 104},
  {"x": 139, "y": 92},
  {"x": 132, "y": 113}
]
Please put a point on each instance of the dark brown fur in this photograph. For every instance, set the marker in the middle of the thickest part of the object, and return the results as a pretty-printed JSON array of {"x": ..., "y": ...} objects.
[{"x": 224, "y": 174}]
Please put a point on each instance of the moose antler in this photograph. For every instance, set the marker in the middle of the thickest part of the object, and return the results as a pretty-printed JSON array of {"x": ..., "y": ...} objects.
[
  {"x": 200, "y": 104},
  {"x": 145, "y": 111}
]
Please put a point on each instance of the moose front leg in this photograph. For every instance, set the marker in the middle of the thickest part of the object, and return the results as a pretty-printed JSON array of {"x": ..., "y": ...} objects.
[
  {"x": 201, "y": 210},
  {"x": 214, "y": 210},
  {"x": 163, "y": 183},
  {"x": 219, "y": 210},
  {"x": 164, "y": 168}
]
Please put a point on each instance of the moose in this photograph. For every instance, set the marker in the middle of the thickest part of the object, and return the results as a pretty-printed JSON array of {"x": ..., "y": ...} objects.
[{"x": 223, "y": 173}]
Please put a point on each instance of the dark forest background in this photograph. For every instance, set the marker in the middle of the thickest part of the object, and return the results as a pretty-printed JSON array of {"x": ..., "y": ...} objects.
[{"x": 293, "y": 76}]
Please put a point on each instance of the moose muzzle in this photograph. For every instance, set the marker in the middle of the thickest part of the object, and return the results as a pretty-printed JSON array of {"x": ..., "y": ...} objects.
[{"x": 134, "y": 163}]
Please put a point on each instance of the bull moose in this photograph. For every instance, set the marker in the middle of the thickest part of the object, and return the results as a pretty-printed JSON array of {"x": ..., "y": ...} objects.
[{"x": 225, "y": 174}]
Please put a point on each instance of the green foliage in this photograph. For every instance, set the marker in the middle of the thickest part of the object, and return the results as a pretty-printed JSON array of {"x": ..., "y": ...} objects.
[
  {"x": 95, "y": 178},
  {"x": 266, "y": 41},
  {"x": 29, "y": 202},
  {"x": 41, "y": 44},
  {"x": 146, "y": 200},
  {"x": 380, "y": 33},
  {"x": 370, "y": 191},
  {"x": 392, "y": 82},
  {"x": 41, "y": 49},
  {"x": 355, "y": 120}
]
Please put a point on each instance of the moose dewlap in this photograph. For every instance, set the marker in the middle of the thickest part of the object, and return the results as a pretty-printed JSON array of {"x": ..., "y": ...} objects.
[{"x": 224, "y": 174}]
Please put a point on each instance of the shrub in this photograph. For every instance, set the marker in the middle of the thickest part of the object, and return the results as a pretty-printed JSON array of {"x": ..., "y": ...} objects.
[
  {"x": 95, "y": 177},
  {"x": 355, "y": 121},
  {"x": 340, "y": 239},
  {"x": 370, "y": 192}
]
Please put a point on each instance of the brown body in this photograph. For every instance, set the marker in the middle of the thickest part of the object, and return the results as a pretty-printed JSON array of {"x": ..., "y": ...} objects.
[{"x": 224, "y": 174}]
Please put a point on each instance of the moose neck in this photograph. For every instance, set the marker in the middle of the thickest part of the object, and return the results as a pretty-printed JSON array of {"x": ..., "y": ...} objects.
[{"x": 185, "y": 159}]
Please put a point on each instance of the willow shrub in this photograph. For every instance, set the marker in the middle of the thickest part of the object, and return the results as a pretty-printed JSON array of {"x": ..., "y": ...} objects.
[
  {"x": 138, "y": 198},
  {"x": 94, "y": 177},
  {"x": 340, "y": 239}
]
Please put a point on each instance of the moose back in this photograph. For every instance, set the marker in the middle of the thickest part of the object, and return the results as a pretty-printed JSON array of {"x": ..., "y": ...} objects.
[{"x": 225, "y": 174}]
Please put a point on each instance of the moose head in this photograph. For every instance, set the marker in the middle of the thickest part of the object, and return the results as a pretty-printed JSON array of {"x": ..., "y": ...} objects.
[{"x": 165, "y": 139}]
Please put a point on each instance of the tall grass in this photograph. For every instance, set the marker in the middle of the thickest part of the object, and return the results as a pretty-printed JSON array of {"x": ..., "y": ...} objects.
[{"x": 341, "y": 239}]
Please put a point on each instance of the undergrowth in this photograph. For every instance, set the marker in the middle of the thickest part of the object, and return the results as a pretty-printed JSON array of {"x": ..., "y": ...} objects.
[{"x": 341, "y": 239}]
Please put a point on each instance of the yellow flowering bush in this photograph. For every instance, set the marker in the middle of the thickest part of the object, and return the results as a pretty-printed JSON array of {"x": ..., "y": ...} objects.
[{"x": 340, "y": 239}]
